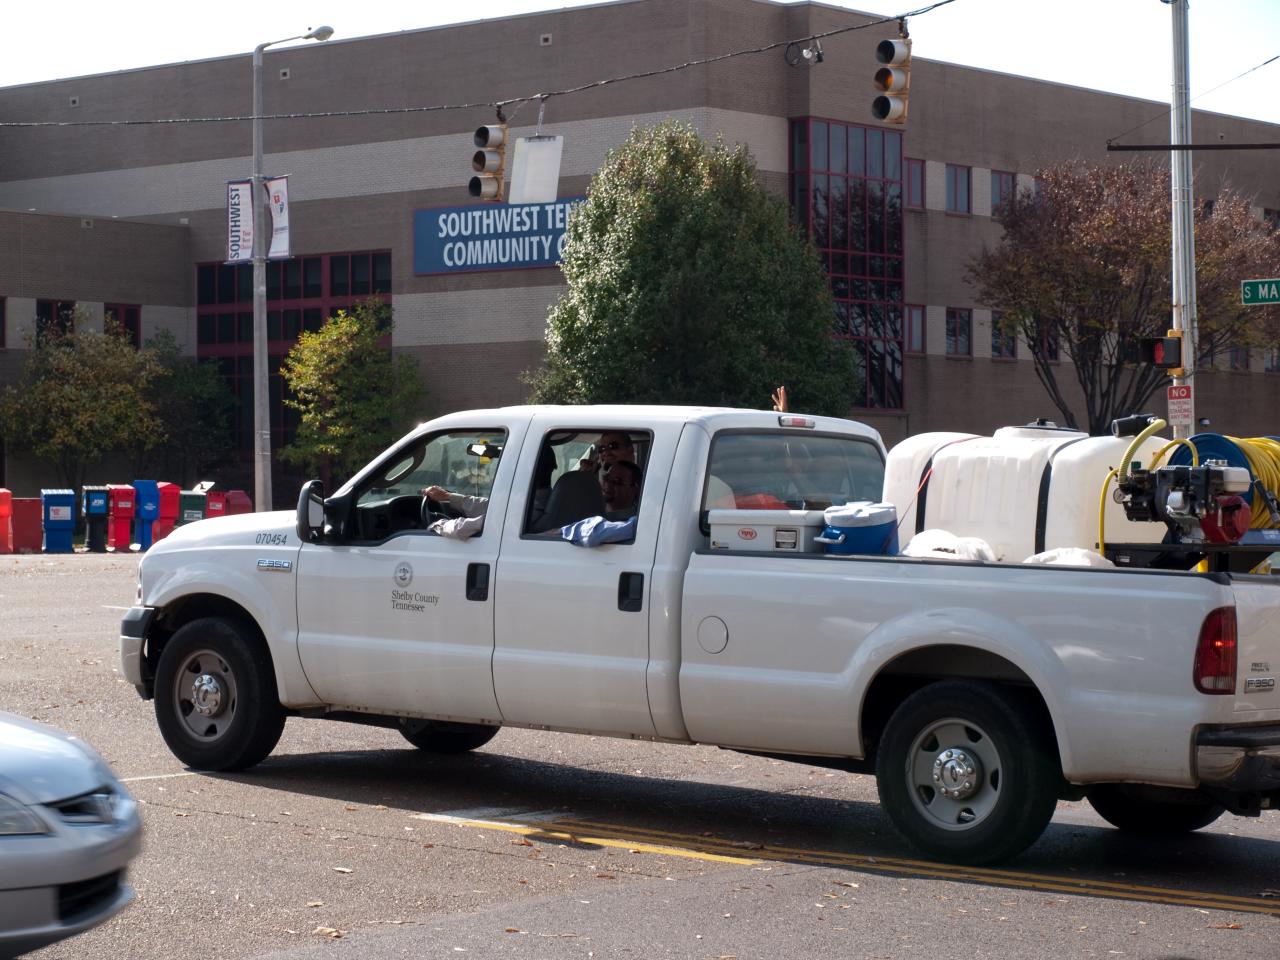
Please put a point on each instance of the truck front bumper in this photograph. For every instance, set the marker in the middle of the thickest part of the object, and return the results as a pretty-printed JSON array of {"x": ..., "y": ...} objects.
[
  {"x": 1239, "y": 759},
  {"x": 133, "y": 635}
]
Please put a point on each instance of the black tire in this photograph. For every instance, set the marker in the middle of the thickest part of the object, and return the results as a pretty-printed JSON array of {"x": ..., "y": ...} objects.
[
  {"x": 215, "y": 694},
  {"x": 1128, "y": 810},
  {"x": 434, "y": 736},
  {"x": 987, "y": 745}
]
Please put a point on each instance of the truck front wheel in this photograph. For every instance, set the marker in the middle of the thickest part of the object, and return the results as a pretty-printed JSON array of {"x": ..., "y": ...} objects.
[
  {"x": 967, "y": 772},
  {"x": 1126, "y": 809},
  {"x": 433, "y": 736},
  {"x": 216, "y": 700}
]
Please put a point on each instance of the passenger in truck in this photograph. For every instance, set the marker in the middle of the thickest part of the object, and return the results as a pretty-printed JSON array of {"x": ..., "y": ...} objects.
[{"x": 621, "y": 485}]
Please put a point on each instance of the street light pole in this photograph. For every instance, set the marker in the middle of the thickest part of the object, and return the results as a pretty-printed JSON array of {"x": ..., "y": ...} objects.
[
  {"x": 262, "y": 495},
  {"x": 1184, "y": 237}
]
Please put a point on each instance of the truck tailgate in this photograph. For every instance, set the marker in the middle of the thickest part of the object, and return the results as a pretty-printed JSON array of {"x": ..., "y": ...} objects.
[{"x": 1258, "y": 635}]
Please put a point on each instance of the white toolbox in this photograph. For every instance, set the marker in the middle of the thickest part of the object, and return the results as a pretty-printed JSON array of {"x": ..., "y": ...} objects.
[{"x": 781, "y": 531}]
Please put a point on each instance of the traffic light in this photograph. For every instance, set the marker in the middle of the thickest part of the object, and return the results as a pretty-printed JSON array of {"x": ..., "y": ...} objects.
[
  {"x": 893, "y": 79},
  {"x": 489, "y": 162},
  {"x": 1162, "y": 352}
]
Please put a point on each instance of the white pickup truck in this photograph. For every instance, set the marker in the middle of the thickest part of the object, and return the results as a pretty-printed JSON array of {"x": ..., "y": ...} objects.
[{"x": 977, "y": 693}]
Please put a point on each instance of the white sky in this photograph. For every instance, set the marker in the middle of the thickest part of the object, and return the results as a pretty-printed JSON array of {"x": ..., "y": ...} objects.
[{"x": 1123, "y": 46}]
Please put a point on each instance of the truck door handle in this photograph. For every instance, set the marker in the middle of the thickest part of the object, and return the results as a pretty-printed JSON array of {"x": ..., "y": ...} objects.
[
  {"x": 631, "y": 592},
  {"x": 477, "y": 581}
]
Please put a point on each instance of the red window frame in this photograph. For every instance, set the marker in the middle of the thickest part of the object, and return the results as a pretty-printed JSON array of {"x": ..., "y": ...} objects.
[
  {"x": 915, "y": 184},
  {"x": 129, "y": 316},
  {"x": 300, "y": 296},
  {"x": 956, "y": 316},
  {"x": 846, "y": 191},
  {"x": 62, "y": 312},
  {"x": 959, "y": 189}
]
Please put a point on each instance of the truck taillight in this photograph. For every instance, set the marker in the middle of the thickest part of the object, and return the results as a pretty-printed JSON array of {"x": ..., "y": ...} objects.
[{"x": 1215, "y": 669}]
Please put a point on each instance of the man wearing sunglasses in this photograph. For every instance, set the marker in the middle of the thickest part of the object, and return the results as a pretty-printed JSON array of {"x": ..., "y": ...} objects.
[
  {"x": 614, "y": 445},
  {"x": 620, "y": 482}
]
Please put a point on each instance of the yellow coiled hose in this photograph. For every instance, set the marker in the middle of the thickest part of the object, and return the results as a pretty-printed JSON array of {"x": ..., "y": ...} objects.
[{"x": 1263, "y": 455}]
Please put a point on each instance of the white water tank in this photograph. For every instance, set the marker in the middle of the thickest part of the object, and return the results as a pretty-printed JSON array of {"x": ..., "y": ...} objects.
[{"x": 1024, "y": 490}]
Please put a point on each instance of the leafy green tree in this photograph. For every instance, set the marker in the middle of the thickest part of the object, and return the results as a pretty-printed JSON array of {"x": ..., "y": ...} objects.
[
  {"x": 688, "y": 283},
  {"x": 1083, "y": 273},
  {"x": 353, "y": 396},
  {"x": 82, "y": 395},
  {"x": 194, "y": 405}
]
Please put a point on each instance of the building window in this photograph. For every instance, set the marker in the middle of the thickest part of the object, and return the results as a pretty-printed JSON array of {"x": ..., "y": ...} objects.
[
  {"x": 3, "y": 342},
  {"x": 1238, "y": 359},
  {"x": 914, "y": 316},
  {"x": 846, "y": 190},
  {"x": 1271, "y": 218},
  {"x": 915, "y": 184},
  {"x": 958, "y": 189},
  {"x": 959, "y": 332},
  {"x": 57, "y": 316},
  {"x": 1004, "y": 339},
  {"x": 1003, "y": 187},
  {"x": 1049, "y": 343},
  {"x": 1270, "y": 362},
  {"x": 302, "y": 292},
  {"x": 128, "y": 316}
]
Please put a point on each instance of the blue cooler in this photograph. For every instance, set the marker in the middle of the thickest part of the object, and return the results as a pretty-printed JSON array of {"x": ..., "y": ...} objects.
[{"x": 861, "y": 527}]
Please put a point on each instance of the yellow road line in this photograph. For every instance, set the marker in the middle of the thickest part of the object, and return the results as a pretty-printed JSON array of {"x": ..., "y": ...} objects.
[
  {"x": 553, "y": 832},
  {"x": 925, "y": 868}
]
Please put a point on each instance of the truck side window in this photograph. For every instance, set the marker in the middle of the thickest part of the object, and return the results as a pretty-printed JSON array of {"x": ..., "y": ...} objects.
[
  {"x": 586, "y": 473},
  {"x": 463, "y": 462},
  {"x": 779, "y": 471}
]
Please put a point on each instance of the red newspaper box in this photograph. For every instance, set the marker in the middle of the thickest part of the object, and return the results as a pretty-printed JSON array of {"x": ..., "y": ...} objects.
[
  {"x": 168, "y": 516},
  {"x": 28, "y": 531},
  {"x": 121, "y": 506},
  {"x": 215, "y": 504},
  {"x": 6, "y": 521},
  {"x": 238, "y": 502}
]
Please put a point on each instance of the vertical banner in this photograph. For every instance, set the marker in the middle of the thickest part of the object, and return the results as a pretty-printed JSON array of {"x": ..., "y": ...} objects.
[
  {"x": 278, "y": 201},
  {"x": 239, "y": 221}
]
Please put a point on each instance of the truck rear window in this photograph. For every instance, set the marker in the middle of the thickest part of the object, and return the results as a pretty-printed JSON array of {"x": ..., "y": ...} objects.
[{"x": 774, "y": 471}]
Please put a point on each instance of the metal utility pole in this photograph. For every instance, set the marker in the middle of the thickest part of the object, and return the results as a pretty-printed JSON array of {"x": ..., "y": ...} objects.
[{"x": 1184, "y": 240}]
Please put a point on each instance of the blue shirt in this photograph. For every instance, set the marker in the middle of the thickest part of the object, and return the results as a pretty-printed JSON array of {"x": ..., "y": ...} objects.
[{"x": 594, "y": 531}]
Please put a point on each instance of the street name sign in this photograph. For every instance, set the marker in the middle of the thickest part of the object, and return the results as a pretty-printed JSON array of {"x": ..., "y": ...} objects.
[{"x": 1256, "y": 292}]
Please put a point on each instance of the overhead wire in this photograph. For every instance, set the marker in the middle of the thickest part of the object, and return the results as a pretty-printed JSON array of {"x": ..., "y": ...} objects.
[{"x": 499, "y": 105}]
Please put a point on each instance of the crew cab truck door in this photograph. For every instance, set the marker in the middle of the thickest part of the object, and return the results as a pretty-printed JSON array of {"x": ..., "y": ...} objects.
[
  {"x": 572, "y": 642},
  {"x": 393, "y": 617}
]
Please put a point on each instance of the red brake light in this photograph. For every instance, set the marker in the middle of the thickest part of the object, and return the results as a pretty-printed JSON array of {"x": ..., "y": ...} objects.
[{"x": 1215, "y": 669}]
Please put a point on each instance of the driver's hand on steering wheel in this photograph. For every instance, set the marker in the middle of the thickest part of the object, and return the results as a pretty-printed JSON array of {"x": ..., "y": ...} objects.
[{"x": 436, "y": 493}]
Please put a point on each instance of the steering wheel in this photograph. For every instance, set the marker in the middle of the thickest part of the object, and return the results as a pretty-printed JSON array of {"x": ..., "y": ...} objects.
[{"x": 433, "y": 510}]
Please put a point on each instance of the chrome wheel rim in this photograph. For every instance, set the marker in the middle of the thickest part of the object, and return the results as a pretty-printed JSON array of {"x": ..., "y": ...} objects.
[
  {"x": 954, "y": 773},
  {"x": 205, "y": 695}
]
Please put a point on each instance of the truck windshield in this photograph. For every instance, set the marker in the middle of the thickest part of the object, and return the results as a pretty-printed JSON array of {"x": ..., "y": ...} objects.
[{"x": 775, "y": 471}]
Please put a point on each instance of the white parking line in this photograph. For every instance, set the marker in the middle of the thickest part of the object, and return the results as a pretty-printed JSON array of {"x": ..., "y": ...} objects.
[
  {"x": 112, "y": 606},
  {"x": 158, "y": 776}
]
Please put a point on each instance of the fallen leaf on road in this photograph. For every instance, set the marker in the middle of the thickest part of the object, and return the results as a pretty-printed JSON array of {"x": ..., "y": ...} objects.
[
  {"x": 315, "y": 903},
  {"x": 1224, "y": 926},
  {"x": 349, "y": 807},
  {"x": 427, "y": 846},
  {"x": 379, "y": 806},
  {"x": 333, "y": 933},
  {"x": 845, "y": 883},
  {"x": 606, "y": 876},
  {"x": 513, "y": 930},
  {"x": 342, "y": 870},
  {"x": 179, "y": 813},
  {"x": 522, "y": 842}
]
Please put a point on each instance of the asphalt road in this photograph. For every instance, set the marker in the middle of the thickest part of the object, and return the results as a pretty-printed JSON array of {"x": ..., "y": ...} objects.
[{"x": 349, "y": 843}]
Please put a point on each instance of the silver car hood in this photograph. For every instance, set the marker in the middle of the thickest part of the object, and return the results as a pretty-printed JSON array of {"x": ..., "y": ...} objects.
[{"x": 41, "y": 764}]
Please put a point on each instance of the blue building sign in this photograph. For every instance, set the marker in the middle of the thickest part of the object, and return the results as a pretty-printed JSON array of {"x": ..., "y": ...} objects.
[{"x": 490, "y": 236}]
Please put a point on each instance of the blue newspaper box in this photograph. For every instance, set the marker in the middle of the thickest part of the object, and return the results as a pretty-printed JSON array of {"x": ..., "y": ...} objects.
[
  {"x": 93, "y": 505},
  {"x": 148, "y": 509},
  {"x": 58, "y": 512}
]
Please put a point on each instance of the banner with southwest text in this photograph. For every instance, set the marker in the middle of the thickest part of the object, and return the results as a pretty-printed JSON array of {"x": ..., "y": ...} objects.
[{"x": 239, "y": 221}]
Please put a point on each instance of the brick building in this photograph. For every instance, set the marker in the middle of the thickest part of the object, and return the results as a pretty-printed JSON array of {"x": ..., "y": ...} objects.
[{"x": 131, "y": 219}]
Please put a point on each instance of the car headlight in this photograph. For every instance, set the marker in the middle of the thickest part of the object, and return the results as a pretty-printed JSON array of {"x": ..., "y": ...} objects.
[{"x": 17, "y": 820}]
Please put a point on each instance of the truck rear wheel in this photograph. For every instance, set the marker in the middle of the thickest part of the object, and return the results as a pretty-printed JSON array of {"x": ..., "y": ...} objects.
[
  {"x": 216, "y": 699},
  {"x": 967, "y": 772},
  {"x": 1128, "y": 810},
  {"x": 433, "y": 736}
]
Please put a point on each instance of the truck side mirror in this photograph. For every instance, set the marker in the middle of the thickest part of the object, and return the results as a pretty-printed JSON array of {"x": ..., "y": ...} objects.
[{"x": 310, "y": 520}]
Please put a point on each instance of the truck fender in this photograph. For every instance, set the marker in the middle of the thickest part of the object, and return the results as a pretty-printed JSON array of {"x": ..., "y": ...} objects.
[
  {"x": 976, "y": 629},
  {"x": 277, "y": 621}
]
